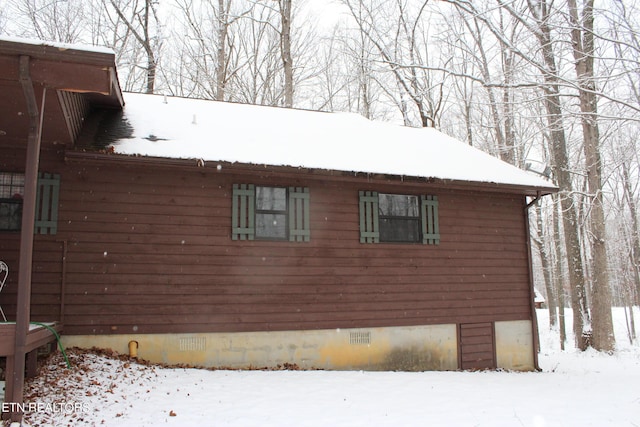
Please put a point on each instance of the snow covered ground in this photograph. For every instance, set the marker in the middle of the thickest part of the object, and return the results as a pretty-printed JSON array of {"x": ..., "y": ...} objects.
[{"x": 574, "y": 389}]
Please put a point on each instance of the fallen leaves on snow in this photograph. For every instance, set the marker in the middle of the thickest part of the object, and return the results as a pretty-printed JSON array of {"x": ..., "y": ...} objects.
[{"x": 98, "y": 379}]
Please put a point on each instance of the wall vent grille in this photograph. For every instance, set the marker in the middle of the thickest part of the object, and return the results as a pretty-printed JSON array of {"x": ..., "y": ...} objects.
[
  {"x": 356, "y": 338},
  {"x": 193, "y": 344}
]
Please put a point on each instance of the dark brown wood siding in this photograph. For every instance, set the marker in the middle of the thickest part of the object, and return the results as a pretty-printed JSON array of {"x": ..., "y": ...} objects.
[
  {"x": 48, "y": 249},
  {"x": 149, "y": 250},
  {"x": 14, "y": 121}
]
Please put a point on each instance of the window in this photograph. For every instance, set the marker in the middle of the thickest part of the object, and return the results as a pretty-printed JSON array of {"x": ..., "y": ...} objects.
[
  {"x": 11, "y": 195},
  {"x": 270, "y": 213},
  {"x": 397, "y": 218},
  {"x": 11, "y": 201}
]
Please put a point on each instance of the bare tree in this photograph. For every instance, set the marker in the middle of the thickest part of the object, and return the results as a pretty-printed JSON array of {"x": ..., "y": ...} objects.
[
  {"x": 194, "y": 68},
  {"x": 634, "y": 235},
  {"x": 221, "y": 57},
  {"x": 346, "y": 78},
  {"x": 582, "y": 37},
  {"x": 553, "y": 104},
  {"x": 284, "y": 7},
  {"x": 400, "y": 43},
  {"x": 625, "y": 32},
  {"x": 496, "y": 77},
  {"x": 141, "y": 21},
  {"x": 560, "y": 288},
  {"x": 258, "y": 49},
  {"x": 547, "y": 266},
  {"x": 537, "y": 18},
  {"x": 329, "y": 89},
  {"x": 516, "y": 78},
  {"x": 267, "y": 50},
  {"x": 210, "y": 49},
  {"x": 59, "y": 21},
  {"x": 630, "y": 235}
]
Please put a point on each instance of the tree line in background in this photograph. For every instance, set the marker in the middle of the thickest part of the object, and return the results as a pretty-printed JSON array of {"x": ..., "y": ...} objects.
[{"x": 552, "y": 86}]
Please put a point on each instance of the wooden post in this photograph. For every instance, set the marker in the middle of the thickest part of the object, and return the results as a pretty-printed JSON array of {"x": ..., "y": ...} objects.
[
  {"x": 534, "y": 315},
  {"x": 23, "y": 315}
]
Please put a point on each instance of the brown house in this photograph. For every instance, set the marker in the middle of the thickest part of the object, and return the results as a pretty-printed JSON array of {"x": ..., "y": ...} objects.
[{"x": 221, "y": 234}]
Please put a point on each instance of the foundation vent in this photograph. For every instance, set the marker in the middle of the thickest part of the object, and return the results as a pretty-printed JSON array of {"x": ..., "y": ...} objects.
[
  {"x": 193, "y": 344},
  {"x": 359, "y": 337}
]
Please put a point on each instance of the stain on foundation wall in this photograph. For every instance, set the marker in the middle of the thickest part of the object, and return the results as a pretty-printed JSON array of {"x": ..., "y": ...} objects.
[
  {"x": 514, "y": 345},
  {"x": 417, "y": 348}
]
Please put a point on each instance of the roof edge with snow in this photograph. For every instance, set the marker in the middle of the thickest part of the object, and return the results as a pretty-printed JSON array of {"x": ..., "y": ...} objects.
[{"x": 214, "y": 131}]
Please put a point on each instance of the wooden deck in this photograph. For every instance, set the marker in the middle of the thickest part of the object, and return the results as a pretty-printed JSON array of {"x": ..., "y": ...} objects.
[{"x": 37, "y": 337}]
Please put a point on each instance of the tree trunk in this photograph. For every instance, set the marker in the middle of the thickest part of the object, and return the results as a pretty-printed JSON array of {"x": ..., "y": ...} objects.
[
  {"x": 628, "y": 314},
  {"x": 559, "y": 152},
  {"x": 221, "y": 52},
  {"x": 484, "y": 64},
  {"x": 285, "y": 49},
  {"x": 583, "y": 51},
  {"x": 558, "y": 270},
  {"x": 635, "y": 234},
  {"x": 151, "y": 73},
  {"x": 146, "y": 44},
  {"x": 144, "y": 39},
  {"x": 546, "y": 269}
]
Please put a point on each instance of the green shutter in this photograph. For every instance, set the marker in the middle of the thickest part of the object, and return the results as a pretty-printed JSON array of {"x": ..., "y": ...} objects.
[
  {"x": 430, "y": 226},
  {"x": 243, "y": 212},
  {"x": 369, "y": 230},
  {"x": 47, "y": 196},
  {"x": 299, "y": 230}
]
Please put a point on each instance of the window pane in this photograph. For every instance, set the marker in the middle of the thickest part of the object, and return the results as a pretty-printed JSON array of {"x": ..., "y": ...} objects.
[
  {"x": 10, "y": 216},
  {"x": 11, "y": 194},
  {"x": 398, "y": 205},
  {"x": 271, "y": 198},
  {"x": 11, "y": 185},
  {"x": 399, "y": 230},
  {"x": 272, "y": 226}
]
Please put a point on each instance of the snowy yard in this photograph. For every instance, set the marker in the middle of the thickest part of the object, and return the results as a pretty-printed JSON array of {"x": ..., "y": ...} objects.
[{"x": 574, "y": 389}]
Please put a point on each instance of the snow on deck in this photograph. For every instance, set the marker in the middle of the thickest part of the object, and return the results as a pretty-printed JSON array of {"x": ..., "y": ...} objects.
[{"x": 221, "y": 131}]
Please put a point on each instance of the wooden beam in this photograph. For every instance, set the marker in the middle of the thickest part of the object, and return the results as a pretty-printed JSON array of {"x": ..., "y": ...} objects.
[
  {"x": 23, "y": 315},
  {"x": 71, "y": 77},
  {"x": 532, "y": 292}
]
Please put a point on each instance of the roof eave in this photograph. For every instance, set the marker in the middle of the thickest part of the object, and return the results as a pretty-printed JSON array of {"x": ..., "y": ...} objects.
[
  {"x": 218, "y": 166},
  {"x": 57, "y": 53},
  {"x": 71, "y": 69}
]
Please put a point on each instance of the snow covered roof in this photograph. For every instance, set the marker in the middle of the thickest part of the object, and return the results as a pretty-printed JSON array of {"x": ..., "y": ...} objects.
[
  {"x": 58, "y": 45},
  {"x": 219, "y": 131}
]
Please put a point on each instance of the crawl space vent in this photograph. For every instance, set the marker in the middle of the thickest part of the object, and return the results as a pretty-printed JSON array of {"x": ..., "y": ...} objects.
[
  {"x": 356, "y": 338},
  {"x": 193, "y": 344}
]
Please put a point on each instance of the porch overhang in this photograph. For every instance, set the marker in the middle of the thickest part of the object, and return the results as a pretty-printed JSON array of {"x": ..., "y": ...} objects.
[
  {"x": 64, "y": 67},
  {"x": 32, "y": 73}
]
